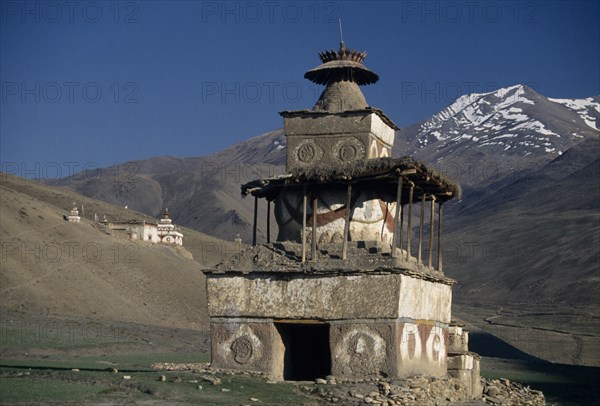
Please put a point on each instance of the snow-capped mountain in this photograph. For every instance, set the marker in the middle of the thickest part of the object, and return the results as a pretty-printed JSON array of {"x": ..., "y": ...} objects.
[
  {"x": 588, "y": 109},
  {"x": 509, "y": 128},
  {"x": 483, "y": 141}
]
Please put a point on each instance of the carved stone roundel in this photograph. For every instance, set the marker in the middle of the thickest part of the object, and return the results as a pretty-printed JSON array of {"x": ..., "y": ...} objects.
[
  {"x": 349, "y": 149},
  {"x": 242, "y": 350},
  {"x": 307, "y": 152}
]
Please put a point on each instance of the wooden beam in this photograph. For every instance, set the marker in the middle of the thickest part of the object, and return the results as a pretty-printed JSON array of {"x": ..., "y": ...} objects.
[
  {"x": 439, "y": 264},
  {"x": 431, "y": 230},
  {"x": 347, "y": 221},
  {"x": 313, "y": 248},
  {"x": 409, "y": 224},
  {"x": 421, "y": 220},
  {"x": 255, "y": 220},
  {"x": 397, "y": 220},
  {"x": 304, "y": 204},
  {"x": 268, "y": 221}
]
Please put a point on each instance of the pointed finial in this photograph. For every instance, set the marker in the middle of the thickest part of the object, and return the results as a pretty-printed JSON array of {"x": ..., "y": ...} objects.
[{"x": 341, "y": 33}]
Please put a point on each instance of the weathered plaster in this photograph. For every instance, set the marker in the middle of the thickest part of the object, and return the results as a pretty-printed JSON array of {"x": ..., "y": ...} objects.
[{"x": 335, "y": 297}]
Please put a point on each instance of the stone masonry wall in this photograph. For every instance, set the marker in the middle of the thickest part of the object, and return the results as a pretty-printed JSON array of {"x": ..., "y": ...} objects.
[
  {"x": 315, "y": 139},
  {"x": 328, "y": 297}
]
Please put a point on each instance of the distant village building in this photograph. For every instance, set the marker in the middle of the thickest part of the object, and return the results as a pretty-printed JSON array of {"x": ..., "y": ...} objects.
[
  {"x": 162, "y": 232},
  {"x": 73, "y": 216},
  {"x": 167, "y": 232},
  {"x": 347, "y": 290}
]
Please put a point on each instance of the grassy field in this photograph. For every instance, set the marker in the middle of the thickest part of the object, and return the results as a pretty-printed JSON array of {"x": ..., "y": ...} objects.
[
  {"x": 62, "y": 365},
  {"x": 79, "y": 369},
  {"x": 48, "y": 385}
]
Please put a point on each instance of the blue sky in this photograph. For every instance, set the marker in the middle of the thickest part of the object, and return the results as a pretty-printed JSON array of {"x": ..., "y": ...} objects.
[{"x": 95, "y": 83}]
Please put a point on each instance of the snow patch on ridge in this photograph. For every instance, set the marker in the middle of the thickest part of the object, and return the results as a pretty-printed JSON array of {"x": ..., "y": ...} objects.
[{"x": 583, "y": 107}]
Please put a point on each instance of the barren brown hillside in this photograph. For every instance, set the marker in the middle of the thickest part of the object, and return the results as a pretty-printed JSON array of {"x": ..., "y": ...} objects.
[{"x": 50, "y": 266}]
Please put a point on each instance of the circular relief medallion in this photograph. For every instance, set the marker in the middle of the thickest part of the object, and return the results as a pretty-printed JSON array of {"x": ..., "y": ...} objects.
[
  {"x": 361, "y": 351},
  {"x": 349, "y": 149},
  {"x": 307, "y": 152},
  {"x": 242, "y": 350}
]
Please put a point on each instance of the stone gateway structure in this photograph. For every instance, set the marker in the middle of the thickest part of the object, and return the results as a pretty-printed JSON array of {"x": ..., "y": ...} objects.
[{"x": 354, "y": 286}]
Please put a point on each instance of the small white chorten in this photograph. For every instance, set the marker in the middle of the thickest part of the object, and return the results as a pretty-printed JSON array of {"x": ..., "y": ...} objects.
[
  {"x": 167, "y": 231},
  {"x": 73, "y": 217}
]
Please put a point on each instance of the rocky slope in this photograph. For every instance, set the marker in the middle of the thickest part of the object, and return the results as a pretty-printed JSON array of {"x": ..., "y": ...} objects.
[{"x": 51, "y": 266}]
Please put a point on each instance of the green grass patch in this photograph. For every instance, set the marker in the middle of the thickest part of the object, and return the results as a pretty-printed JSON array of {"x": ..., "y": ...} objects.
[
  {"x": 135, "y": 361},
  {"x": 25, "y": 390},
  {"x": 52, "y": 386}
]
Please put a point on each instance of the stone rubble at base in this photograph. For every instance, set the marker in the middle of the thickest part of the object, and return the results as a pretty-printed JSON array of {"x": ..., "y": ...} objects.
[{"x": 412, "y": 391}]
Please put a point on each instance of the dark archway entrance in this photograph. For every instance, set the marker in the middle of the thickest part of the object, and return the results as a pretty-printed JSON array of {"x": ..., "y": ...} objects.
[{"x": 307, "y": 355}]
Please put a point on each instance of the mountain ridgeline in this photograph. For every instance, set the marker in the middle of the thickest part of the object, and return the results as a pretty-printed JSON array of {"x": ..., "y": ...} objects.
[
  {"x": 525, "y": 231},
  {"x": 483, "y": 141}
]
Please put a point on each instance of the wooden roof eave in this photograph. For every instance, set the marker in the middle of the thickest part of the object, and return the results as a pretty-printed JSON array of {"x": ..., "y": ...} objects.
[{"x": 271, "y": 188}]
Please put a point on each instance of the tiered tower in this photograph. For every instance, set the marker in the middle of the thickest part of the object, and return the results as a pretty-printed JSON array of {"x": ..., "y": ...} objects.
[
  {"x": 73, "y": 216},
  {"x": 340, "y": 129},
  {"x": 167, "y": 232},
  {"x": 349, "y": 289}
]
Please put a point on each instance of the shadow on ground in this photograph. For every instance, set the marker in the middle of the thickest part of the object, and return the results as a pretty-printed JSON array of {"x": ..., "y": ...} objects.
[{"x": 562, "y": 384}]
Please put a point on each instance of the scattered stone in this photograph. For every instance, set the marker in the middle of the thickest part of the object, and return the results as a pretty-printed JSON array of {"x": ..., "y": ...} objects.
[
  {"x": 320, "y": 381},
  {"x": 199, "y": 387},
  {"x": 126, "y": 377},
  {"x": 162, "y": 378},
  {"x": 254, "y": 400},
  {"x": 417, "y": 391},
  {"x": 493, "y": 400},
  {"x": 197, "y": 367},
  {"x": 177, "y": 379},
  {"x": 75, "y": 369},
  {"x": 225, "y": 390},
  {"x": 492, "y": 391},
  {"x": 212, "y": 379}
]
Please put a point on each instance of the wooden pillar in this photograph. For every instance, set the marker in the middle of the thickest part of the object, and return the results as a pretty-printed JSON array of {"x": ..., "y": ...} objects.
[
  {"x": 255, "y": 220},
  {"x": 268, "y": 221},
  {"x": 409, "y": 224},
  {"x": 313, "y": 248},
  {"x": 304, "y": 199},
  {"x": 421, "y": 220},
  {"x": 431, "y": 230},
  {"x": 439, "y": 266},
  {"x": 347, "y": 222},
  {"x": 397, "y": 219},
  {"x": 400, "y": 237}
]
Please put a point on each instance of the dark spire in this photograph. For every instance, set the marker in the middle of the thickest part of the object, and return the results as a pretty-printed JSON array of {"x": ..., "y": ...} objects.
[{"x": 343, "y": 65}]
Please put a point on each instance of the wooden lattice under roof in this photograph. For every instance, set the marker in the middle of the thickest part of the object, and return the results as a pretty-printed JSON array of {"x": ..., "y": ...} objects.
[{"x": 378, "y": 174}]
